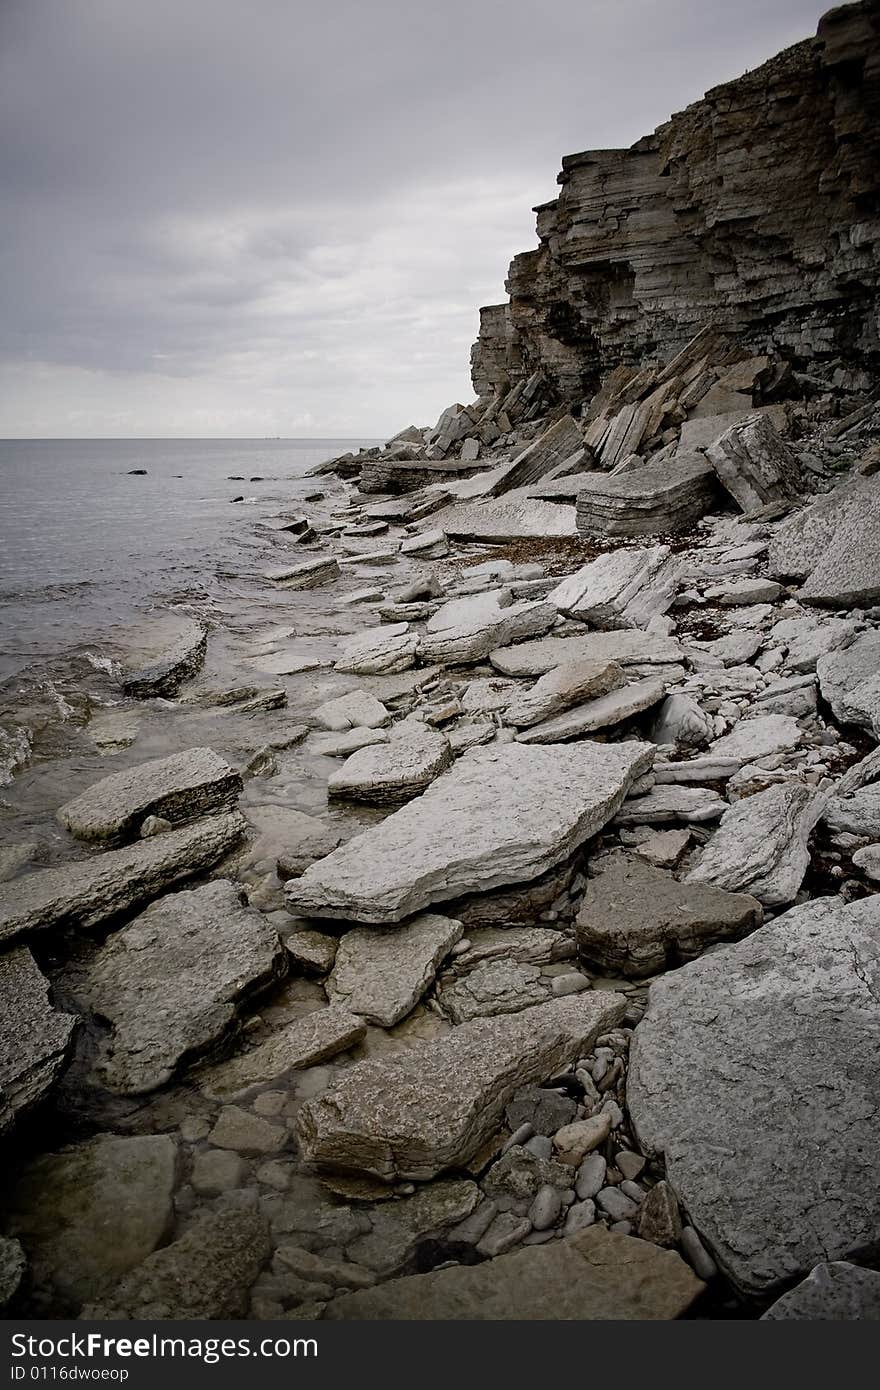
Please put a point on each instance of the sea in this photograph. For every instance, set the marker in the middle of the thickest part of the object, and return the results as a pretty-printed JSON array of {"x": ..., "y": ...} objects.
[{"x": 94, "y": 532}]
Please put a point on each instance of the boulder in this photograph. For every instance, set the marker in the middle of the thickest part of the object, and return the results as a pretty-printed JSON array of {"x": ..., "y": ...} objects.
[
  {"x": 595, "y": 1275},
  {"x": 761, "y": 845},
  {"x": 652, "y": 501},
  {"x": 88, "y": 1214},
  {"x": 382, "y": 974},
  {"x": 467, "y": 630},
  {"x": 624, "y": 588},
  {"x": 835, "y": 1291},
  {"x": 754, "y": 1074},
  {"x": 493, "y": 987},
  {"x": 416, "y": 1113},
  {"x": 602, "y": 713},
  {"x": 857, "y": 814},
  {"x": 380, "y": 651},
  {"x": 92, "y": 891},
  {"x": 682, "y": 722},
  {"x": 562, "y": 687},
  {"x": 755, "y": 465},
  {"x": 304, "y": 1043},
  {"x": 625, "y": 646},
  {"x": 174, "y": 649},
  {"x": 395, "y": 770},
  {"x": 35, "y": 1039},
  {"x": 358, "y": 709},
  {"x": 637, "y": 920},
  {"x": 501, "y": 815},
  {"x": 179, "y": 788},
  {"x": 834, "y": 544},
  {"x": 171, "y": 982},
  {"x": 850, "y": 681}
]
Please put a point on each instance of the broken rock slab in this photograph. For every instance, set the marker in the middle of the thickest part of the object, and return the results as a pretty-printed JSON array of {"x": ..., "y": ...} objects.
[
  {"x": 467, "y": 630},
  {"x": 493, "y": 987},
  {"x": 562, "y": 687},
  {"x": 596, "y": 1275},
  {"x": 92, "y": 891},
  {"x": 652, "y": 501},
  {"x": 834, "y": 545},
  {"x": 682, "y": 722},
  {"x": 850, "y": 681},
  {"x": 624, "y": 588},
  {"x": 358, "y": 709},
  {"x": 835, "y": 1291},
  {"x": 179, "y": 788},
  {"x": 637, "y": 920},
  {"x": 395, "y": 770},
  {"x": 509, "y": 519},
  {"x": 754, "y": 1073},
  {"x": 501, "y": 815},
  {"x": 305, "y": 1043},
  {"x": 171, "y": 982},
  {"x": 174, "y": 650},
  {"x": 35, "y": 1038},
  {"x": 625, "y": 646},
  {"x": 414, "y": 1114},
  {"x": 380, "y": 651},
  {"x": 755, "y": 464},
  {"x": 761, "y": 846},
  {"x": 307, "y": 575},
  {"x": 760, "y": 737},
  {"x": 602, "y": 713},
  {"x": 382, "y": 974},
  {"x": 669, "y": 802}
]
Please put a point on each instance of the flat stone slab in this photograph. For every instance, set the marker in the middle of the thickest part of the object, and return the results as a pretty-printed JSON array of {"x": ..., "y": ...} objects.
[
  {"x": 501, "y": 815},
  {"x": 761, "y": 844},
  {"x": 91, "y": 891},
  {"x": 637, "y": 920},
  {"x": 467, "y": 630},
  {"x": 602, "y": 713},
  {"x": 624, "y": 588},
  {"x": 395, "y": 770},
  {"x": 654, "y": 500},
  {"x": 382, "y": 974},
  {"x": 850, "y": 681},
  {"x": 494, "y": 987},
  {"x": 806, "y": 639},
  {"x": 35, "y": 1038},
  {"x": 358, "y": 709},
  {"x": 835, "y": 1291},
  {"x": 305, "y": 1043},
  {"x": 755, "y": 464},
  {"x": 174, "y": 650},
  {"x": 87, "y": 1214},
  {"x": 508, "y": 519},
  {"x": 170, "y": 983},
  {"x": 625, "y": 646},
  {"x": 755, "y": 1074},
  {"x": 415, "y": 1114},
  {"x": 178, "y": 788},
  {"x": 380, "y": 651},
  {"x": 596, "y": 1275},
  {"x": 667, "y": 803},
  {"x": 307, "y": 575},
  {"x": 760, "y": 737},
  {"x": 564, "y": 686},
  {"x": 834, "y": 544}
]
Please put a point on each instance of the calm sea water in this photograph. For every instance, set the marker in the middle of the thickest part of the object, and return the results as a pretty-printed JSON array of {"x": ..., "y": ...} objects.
[{"x": 84, "y": 545}]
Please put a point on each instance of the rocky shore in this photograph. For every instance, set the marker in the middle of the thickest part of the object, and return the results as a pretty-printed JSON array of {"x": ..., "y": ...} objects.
[{"x": 495, "y": 933}]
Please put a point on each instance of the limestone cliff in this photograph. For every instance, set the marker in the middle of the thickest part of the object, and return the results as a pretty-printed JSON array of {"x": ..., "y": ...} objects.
[{"x": 756, "y": 209}]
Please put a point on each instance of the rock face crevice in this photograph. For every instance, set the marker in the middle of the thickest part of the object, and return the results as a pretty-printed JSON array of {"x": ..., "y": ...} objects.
[{"x": 756, "y": 208}]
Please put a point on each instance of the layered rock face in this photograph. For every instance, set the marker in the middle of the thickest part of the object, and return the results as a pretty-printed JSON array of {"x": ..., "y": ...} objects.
[{"x": 755, "y": 208}]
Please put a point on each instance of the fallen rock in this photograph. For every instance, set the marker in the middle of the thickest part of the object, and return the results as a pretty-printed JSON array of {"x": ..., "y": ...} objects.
[
  {"x": 850, "y": 681},
  {"x": 380, "y": 651},
  {"x": 382, "y": 975},
  {"x": 857, "y": 814},
  {"x": 594, "y": 1275},
  {"x": 170, "y": 983},
  {"x": 179, "y": 788},
  {"x": 35, "y": 1039},
  {"x": 305, "y": 1043},
  {"x": 562, "y": 687},
  {"x": 490, "y": 988},
  {"x": 602, "y": 713},
  {"x": 467, "y": 630},
  {"x": 509, "y": 519},
  {"x": 395, "y": 770},
  {"x": 414, "y": 1114},
  {"x": 808, "y": 638},
  {"x": 625, "y": 646},
  {"x": 176, "y": 651},
  {"x": 755, "y": 464},
  {"x": 669, "y": 802},
  {"x": 653, "y": 500},
  {"x": 307, "y": 575},
  {"x": 834, "y": 544},
  {"x": 92, "y": 891},
  {"x": 637, "y": 920},
  {"x": 835, "y": 1291},
  {"x": 624, "y": 588},
  {"x": 744, "y": 591},
  {"x": 87, "y": 1214},
  {"x": 761, "y": 845},
  {"x": 356, "y": 710},
  {"x": 501, "y": 815},
  {"x": 754, "y": 1073},
  {"x": 759, "y": 737},
  {"x": 682, "y": 722},
  {"x": 400, "y": 1226}
]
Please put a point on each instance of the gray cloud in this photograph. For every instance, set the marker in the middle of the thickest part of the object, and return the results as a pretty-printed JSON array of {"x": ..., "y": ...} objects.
[{"x": 279, "y": 218}]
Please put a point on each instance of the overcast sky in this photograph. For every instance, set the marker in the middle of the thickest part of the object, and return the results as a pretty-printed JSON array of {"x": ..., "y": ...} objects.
[{"x": 272, "y": 217}]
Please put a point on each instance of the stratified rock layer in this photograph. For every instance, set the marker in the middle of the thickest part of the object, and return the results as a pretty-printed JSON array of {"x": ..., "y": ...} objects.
[{"x": 34, "y": 1037}]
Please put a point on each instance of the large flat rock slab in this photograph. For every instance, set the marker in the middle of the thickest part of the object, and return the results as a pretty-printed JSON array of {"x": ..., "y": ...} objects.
[
  {"x": 626, "y": 646},
  {"x": 417, "y": 1113},
  {"x": 382, "y": 974},
  {"x": 755, "y": 465},
  {"x": 563, "y": 687},
  {"x": 395, "y": 770},
  {"x": 624, "y": 588},
  {"x": 835, "y": 1291},
  {"x": 88, "y": 1214},
  {"x": 169, "y": 651},
  {"x": 850, "y": 681},
  {"x": 602, "y": 713},
  {"x": 35, "y": 1038},
  {"x": 467, "y": 630},
  {"x": 501, "y": 815},
  {"x": 655, "y": 500},
  {"x": 303, "y": 1043},
  {"x": 596, "y": 1275},
  {"x": 637, "y": 920},
  {"x": 834, "y": 544},
  {"x": 761, "y": 846},
  {"x": 178, "y": 788},
  {"x": 92, "y": 891},
  {"x": 170, "y": 983},
  {"x": 756, "y": 1073}
]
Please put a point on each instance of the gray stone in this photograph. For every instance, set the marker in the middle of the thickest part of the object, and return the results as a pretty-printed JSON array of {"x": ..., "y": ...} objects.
[
  {"x": 206, "y": 1274},
  {"x": 850, "y": 681},
  {"x": 755, "y": 465},
  {"x": 759, "y": 737},
  {"x": 311, "y": 950},
  {"x": 593, "y": 1276},
  {"x": 650, "y": 500},
  {"x": 668, "y": 802},
  {"x": 88, "y": 1214},
  {"x": 659, "y": 1219},
  {"x": 501, "y": 815},
  {"x": 808, "y": 638},
  {"x": 495, "y": 987},
  {"x": 625, "y": 646},
  {"x": 579, "y": 1216},
  {"x": 399, "y": 1226},
  {"x": 755, "y": 1074},
  {"x": 13, "y": 1263},
  {"x": 601, "y": 713},
  {"x": 382, "y": 974},
  {"x": 528, "y": 945},
  {"x": 858, "y": 814},
  {"x": 868, "y": 860},
  {"x": 245, "y": 1132},
  {"x": 545, "y": 1209},
  {"x": 506, "y": 1231},
  {"x": 307, "y": 575},
  {"x": 380, "y": 651},
  {"x": 174, "y": 649},
  {"x": 413, "y": 1114},
  {"x": 562, "y": 687},
  {"x": 402, "y": 767},
  {"x": 35, "y": 1039},
  {"x": 616, "y": 1204},
  {"x": 682, "y": 722},
  {"x": 733, "y": 649},
  {"x": 835, "y": 545},
  {"x": 216, "y": 1170},
  {"x": 356, "y": 710},
  {"x": 761, "y": 845},
  {"x": 171, "y": 982},
  {"x": 591, "y": 1176},
  {"x": 625, "y": 588},
  {"x": 743, "y": 591},
  {"x": 304, "y": 1043},
  {"x": 467, "y": 630},
  {"x": 514, "y": 1180},
  {"x": 834, "y": 1291},
  {"x": 91, "y": 891},
  {"x": 573, "y": 1142},
  {"x": 544, "y": 1110},
  {"x": 638, "y": 920},
  {"x": 343, "y": 745}
]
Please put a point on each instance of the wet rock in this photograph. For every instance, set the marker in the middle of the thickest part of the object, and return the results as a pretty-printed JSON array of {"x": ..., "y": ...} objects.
[
  {"x": 416, "y": 1113},
  {"x": 35, "y": 1039},
  {"x": 92, "y": 891},
  {"x": 381, "y": 975},
  {"x": 343, "y": 745},
  {"x": 113, "y": 731},
  {"x": 178, "y": 788},
  {"x": 303, "y": 839},
  {"x": 761, "y": 845},
  {"x": 659, "y": 1219},
  {"x": 312, "y": 951},
  {"x": 624, "y": 588},
  {"x": 467, "y": 630},
  {"x": 399, "y": 1226},
  {"x": 400, "y": 768},
  {"x": 625, "y": 646},
  {"x": 216, "y": 1170},
  {"x": 206, "y": 1273},
  {"x": 176, "y": 651},
  {"x": 171, "y": 983},
  {"x": 495, "y": 987},
  {"x": 594, "y": 1275},
  {"x": 788, "y": 1013},
  {"x": 601, "y": 713},
  {"x": 380, "y": 651},
  {"x": 543, "y": 1109},
  {"x": 308, "y": 575},
  {"x": 356, "y": 710},
  {"x": 501, "y": 815},
  {"x": 638, "y": 920},
  {"x": 87, "y": 1214},
  {"x": 245, "y": 1132},
  {"x": 834, "y": 1291},
  {"x": 13, "y": 1263},
  {"x": 304, "y": 1043},
  {"x": 755, "y": 465}
]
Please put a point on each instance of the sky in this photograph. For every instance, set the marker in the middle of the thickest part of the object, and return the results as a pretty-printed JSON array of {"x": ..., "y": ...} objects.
[{"x": 252, "y": 218}]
